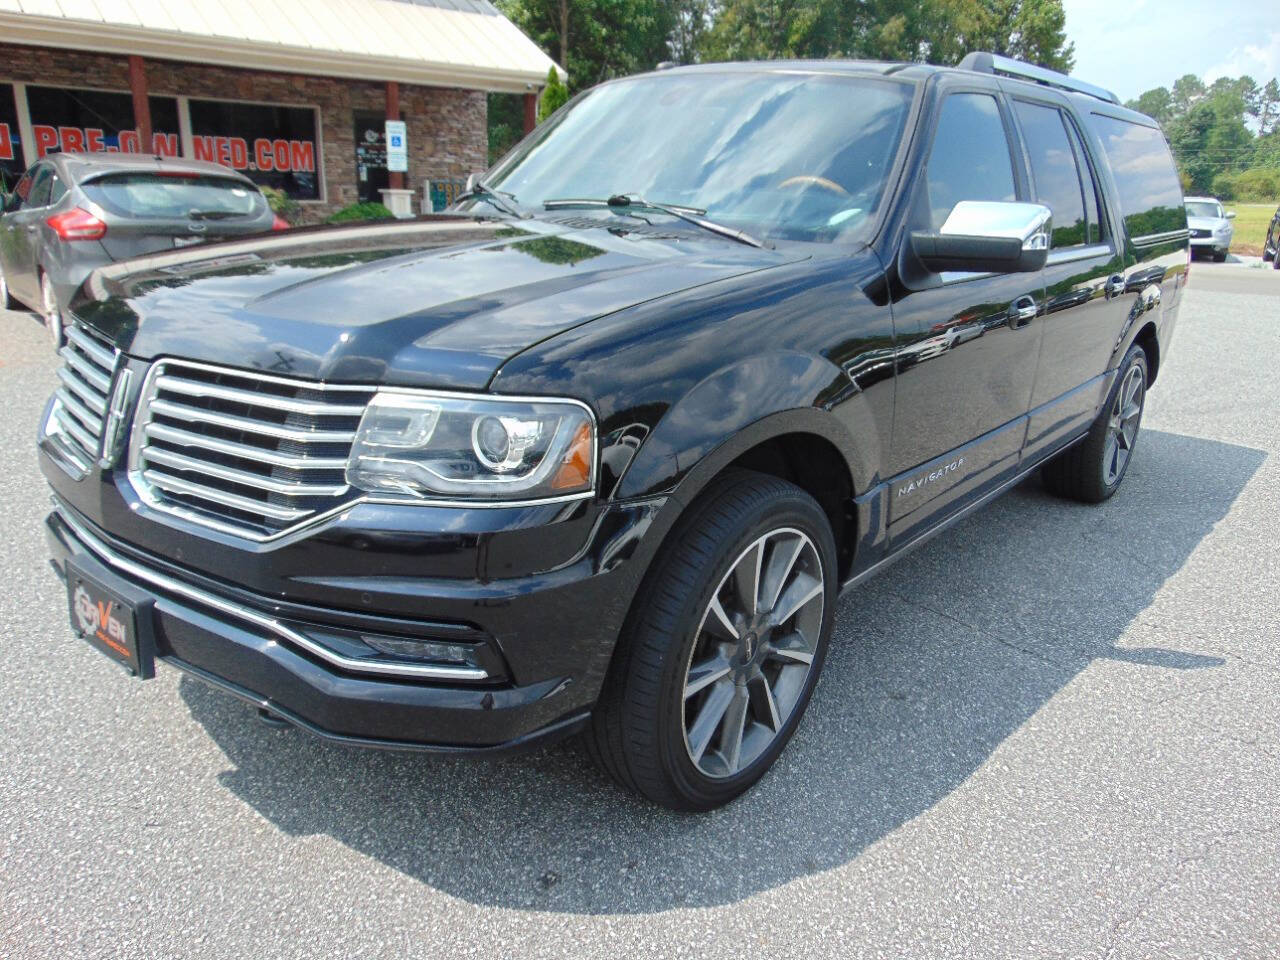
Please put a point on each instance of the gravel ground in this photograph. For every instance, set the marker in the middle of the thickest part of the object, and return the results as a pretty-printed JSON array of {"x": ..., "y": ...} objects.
[{"x": 1052, "y": 732}]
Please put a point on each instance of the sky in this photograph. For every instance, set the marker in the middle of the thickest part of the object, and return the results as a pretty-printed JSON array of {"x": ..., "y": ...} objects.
[{"x": 1130, "y": 46}]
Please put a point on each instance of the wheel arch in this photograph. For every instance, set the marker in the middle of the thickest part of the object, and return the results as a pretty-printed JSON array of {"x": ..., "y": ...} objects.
[{"x": 1149, "y": 339}]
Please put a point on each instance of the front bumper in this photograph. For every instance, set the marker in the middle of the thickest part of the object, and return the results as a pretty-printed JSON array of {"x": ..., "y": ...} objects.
[{"x": 254, "y": 647}]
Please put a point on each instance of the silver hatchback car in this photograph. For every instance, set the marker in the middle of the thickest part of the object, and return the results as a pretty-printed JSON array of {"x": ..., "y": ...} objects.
[{"x": 72, "y": 212}]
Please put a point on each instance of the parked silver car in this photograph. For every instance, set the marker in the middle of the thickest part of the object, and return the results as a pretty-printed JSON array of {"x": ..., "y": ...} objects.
[
  {"x": 1210, "y": 225},
  {"x": 72, "y": 212}
]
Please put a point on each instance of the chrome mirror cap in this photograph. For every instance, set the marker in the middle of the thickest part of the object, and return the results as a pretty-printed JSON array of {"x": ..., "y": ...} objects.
[{"x": 1027, "y": 222}]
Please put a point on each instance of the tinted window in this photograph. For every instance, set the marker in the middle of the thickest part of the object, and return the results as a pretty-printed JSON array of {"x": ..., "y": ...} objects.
[
  {"x": 1092, "y": 195},
  {"x": 970, "y": 157},
  {"x": 786, "y": 155},
  {"x": 1053, "y": 168},
  {"x": 1150, "y": 194},
  {"x": 40, "y": 186},
  {"x": 1202, "y": 208},
  {"x": 10, "y": 142},
  {"x": 21, "y": 191},
  {"x": 91, "y": 121},
  {"x": 169, "y": 196},
  {"x": 56, "y": 190},
  {"x": 272, "y": 146}
]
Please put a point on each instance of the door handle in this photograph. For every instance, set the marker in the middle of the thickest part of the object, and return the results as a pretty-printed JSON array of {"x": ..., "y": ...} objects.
[
  {"x": 1021, "y": 312},
  {"x": 31, "y": 228},
  {"x": 1116, "y": 286}
]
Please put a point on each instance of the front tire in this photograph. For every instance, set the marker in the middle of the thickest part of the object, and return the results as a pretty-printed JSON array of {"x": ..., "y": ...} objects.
[
  {"x": 6, "y": 300},
  {"x": 1091, "y": 471},
  {"x": 723, "y": 647}
]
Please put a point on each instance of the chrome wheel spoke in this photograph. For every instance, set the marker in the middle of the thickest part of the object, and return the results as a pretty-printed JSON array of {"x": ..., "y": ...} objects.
[
  {"x": 746, "y": 578},
  {"x": 801, "y": 590},
  {"x": 791, "y": 649},
  {"x": 764, "y": 707},
  {"x": 718, "y": 622},
  {"x": 707, "y": 722},
  {"x": 735, "y": 724},
  {"x": 782, "y": 560},
  {"x": 704, "y": 674}
]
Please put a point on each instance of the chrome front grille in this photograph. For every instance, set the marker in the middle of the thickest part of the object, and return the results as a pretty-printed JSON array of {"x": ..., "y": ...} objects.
[
  {"x": 246, "y": 453},
  {"x": 84, "y": 383}
]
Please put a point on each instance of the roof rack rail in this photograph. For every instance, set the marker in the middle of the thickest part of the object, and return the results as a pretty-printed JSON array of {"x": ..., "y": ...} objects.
[{"x": 1007, "y": 66}]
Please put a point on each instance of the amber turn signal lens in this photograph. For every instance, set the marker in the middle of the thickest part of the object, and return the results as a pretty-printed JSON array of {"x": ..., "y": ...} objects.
[{"x": 575, "y": 469}]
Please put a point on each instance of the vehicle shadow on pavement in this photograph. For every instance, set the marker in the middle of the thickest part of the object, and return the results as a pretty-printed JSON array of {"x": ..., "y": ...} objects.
[{"x": 933, "y": 664}]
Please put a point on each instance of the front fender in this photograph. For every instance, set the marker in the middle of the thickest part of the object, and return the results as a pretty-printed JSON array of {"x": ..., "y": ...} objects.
[{"x": 737, "y": 408}]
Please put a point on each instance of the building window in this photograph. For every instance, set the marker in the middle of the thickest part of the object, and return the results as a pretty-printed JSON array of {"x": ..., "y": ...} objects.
[
  {"x": 273, "y": 146},
  {"x": 10, "y": 142},
  {"x": 80, "y": 121}
]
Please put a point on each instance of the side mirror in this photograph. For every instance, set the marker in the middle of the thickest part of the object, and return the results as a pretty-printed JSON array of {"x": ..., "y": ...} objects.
[
  {"x": 471, "y": 183},
  {"x": 1231, "y": 214},
  {"x": 982, "y": 236}
]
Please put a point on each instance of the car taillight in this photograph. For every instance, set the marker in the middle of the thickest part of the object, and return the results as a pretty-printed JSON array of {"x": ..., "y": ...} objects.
[
  {"x": 77, "y": 224},
  {"x": 279, "y": 223}
]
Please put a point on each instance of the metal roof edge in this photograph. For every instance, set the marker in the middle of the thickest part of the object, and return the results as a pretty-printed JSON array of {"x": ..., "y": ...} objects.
[{"x": 95, "y": 36}]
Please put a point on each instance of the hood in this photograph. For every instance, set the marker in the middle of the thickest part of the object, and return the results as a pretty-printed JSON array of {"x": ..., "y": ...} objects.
[
  {"x": 1207, "y": 223},
  {"x": 439, "y": 302}
]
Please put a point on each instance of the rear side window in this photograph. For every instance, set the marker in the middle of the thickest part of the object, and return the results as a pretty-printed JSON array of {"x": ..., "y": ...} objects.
[
  {"x": 1150, "y": 194},
  {"x": 166, "y": 196},
  {"x": 40, "y": 187},
  {"x": 970, "y": 156},
  {"x": 1054, "y": 170},
  {"x": 1092, "y": 195}
]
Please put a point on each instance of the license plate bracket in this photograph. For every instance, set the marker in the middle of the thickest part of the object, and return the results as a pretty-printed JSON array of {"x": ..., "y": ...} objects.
[{"x": 113, "y": 618}]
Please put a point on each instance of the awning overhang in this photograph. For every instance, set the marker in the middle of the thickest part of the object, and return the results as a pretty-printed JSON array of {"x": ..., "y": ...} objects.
[{"x": 443, "y": 43}]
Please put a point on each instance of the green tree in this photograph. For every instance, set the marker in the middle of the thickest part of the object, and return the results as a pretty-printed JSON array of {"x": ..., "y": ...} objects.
[
  {"x": 595, "y": 40},
  {"x": 1268, "y": 108},
  {"x": 554, "y": 95},
  {"x": 933, "y": 31}
]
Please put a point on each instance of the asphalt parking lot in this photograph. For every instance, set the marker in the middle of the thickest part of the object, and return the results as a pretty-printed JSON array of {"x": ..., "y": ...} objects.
[{"x": 1051, "y": 732}]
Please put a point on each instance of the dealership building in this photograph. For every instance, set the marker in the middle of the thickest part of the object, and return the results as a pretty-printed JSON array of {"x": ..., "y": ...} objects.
[{"x": 293, "y": 93}]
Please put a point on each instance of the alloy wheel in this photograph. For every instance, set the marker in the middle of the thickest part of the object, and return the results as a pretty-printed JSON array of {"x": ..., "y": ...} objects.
[
  {"x": 52, "y": 315},
  {"x": 753, "y": 652},
  {"x": 1122, "y": 427}
]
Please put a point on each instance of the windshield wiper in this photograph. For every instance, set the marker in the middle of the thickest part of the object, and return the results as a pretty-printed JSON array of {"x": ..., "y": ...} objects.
[
  {"x": 692, "y": 215},
  {"x": 478, "y": 190}
]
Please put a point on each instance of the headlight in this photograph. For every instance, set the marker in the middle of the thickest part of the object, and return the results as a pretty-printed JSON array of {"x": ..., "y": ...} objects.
[{"x": 427, "y": 445}]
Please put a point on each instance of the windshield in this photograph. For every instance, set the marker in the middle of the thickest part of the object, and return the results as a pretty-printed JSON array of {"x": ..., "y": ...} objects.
[
  {"x": 782, "y": 155},
  {"x": 1203, "y": 208},
  {"x": 174, "y": 196}
]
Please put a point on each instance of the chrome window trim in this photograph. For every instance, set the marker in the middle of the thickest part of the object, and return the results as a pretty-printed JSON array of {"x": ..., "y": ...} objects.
[
  {"x": 163, "y": 582},
  {"x": 1151, "y": 239},
  {"x": 161, "y": 510},
  {"x": 1071, "y": 254}
]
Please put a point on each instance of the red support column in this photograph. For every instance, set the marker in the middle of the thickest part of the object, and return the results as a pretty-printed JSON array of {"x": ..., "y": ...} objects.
[
  {"x": 530, "y": 112},
  {"x": 141, "y": 105},
  {"x": 395, "y": 180}
]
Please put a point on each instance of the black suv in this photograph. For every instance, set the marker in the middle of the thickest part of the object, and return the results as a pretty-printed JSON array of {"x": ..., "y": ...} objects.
[{"x": 599, "y": 450}]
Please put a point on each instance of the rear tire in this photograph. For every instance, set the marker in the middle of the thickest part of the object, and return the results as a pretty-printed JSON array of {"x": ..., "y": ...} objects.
[
  {"x": 49, "y": 310},
  {"x": 723, "y": 647},
  {"x": 1091, "y": 471}
]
